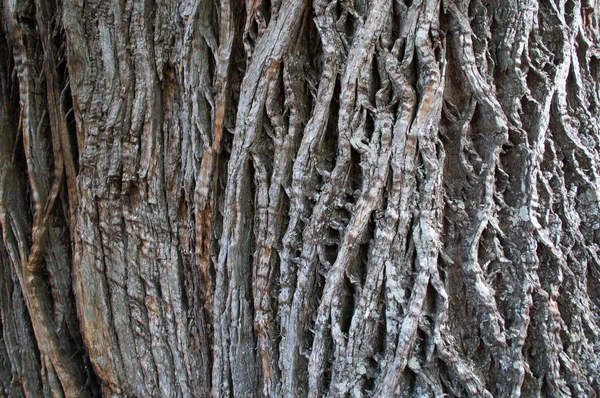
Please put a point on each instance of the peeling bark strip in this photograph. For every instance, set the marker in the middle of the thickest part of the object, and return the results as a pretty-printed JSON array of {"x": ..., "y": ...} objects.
[{"x": 284, "y": 198}]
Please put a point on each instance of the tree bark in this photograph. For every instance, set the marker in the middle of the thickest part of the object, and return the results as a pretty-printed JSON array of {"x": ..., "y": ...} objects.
[{"x": 284, "y": 198}]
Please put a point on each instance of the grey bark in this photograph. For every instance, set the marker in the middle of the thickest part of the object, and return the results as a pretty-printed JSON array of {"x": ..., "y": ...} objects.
[{"x": 284, "y": 198}]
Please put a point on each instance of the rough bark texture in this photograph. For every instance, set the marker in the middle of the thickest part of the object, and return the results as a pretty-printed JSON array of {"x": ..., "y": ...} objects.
[{"x": 285, "y": 198}]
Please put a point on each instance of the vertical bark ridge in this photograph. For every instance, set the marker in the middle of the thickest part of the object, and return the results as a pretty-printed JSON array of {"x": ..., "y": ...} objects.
[
  {"x": 37, "y": 246},
  {"x": 129, "y": 140},
  {"x": 283, "y": 198},
  {"x": 329, "y": 322},
  {"x": 295, "y": 274},
  {"x": 234, "y": 353}
]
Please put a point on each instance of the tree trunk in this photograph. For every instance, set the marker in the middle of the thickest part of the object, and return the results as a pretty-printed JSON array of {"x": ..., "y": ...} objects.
[{"x": 278, "y": 198}]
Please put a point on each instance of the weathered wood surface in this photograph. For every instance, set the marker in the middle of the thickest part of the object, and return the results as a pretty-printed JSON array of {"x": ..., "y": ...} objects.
[{"x": 285, "y": 198}]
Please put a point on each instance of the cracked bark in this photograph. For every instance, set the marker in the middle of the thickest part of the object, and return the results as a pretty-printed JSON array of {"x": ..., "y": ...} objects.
[{"x": 294, "y": 198}]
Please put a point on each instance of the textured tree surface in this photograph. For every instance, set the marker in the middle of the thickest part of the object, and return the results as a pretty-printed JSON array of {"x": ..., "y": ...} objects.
[{"x": 283, "y": 198}]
